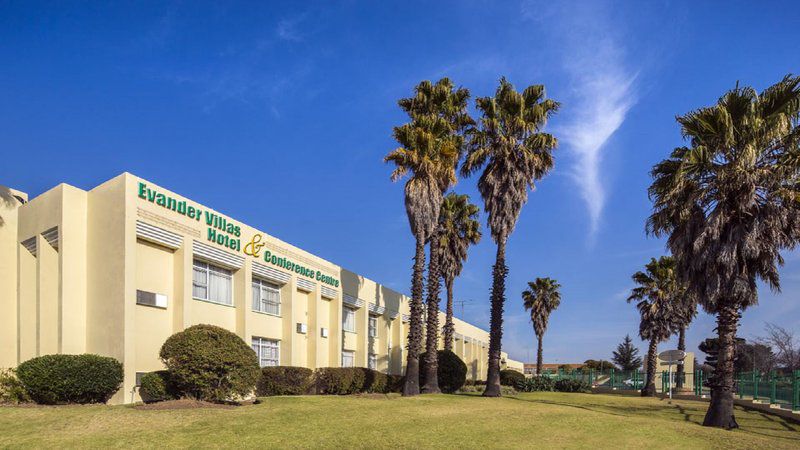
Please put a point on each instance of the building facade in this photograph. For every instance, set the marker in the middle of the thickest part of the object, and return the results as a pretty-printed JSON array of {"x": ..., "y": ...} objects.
[{"x": 118, "y": 269}]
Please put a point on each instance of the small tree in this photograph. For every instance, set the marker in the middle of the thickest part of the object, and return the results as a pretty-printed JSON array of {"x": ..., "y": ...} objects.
[
  {"x": 206, "y": 362},
  {"x": 627, "y": 356},
  {"x": 785, "y": 344}
]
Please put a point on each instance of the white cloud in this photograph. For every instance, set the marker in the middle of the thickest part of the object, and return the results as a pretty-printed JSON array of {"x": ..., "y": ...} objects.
[
  {"x": 602, "y": 90},
  {"x": 287, "y": 29}
]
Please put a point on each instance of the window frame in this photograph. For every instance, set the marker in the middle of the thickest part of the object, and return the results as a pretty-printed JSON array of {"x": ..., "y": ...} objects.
[
  {"x": 372, "y": 327},
  {"x": 270, "y": 286},
  {"x": 352, "y": 356},
  {"x": 221, "y": 272},
  {"x": 266, "y": 343},
  {"x": 345, "y": 312}
]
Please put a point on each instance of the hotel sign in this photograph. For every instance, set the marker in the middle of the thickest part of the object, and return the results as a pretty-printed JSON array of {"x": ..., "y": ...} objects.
[{"x": 228, "y": 234}]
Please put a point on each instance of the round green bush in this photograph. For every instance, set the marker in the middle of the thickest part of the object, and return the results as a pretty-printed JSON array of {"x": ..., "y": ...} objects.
[
  {"x": 210, "y": 363},
  {"x": 568, "y": 385},
  {"x": 57, "y": 379},
  {"x": 11, "y": 389},
  {"x": 284, "y": 380},
  {"x": 536, "y": 384},
  {"x": 157, "y": 387},
  {"x": 451, "y": 371},
  {"x": 510, "y": 377}
]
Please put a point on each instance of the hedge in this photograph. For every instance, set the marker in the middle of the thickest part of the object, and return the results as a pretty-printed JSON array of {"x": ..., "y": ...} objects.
[
  {"x": 206, "y": 362},
  {"x": 11, "y": 389},
  {"x": 57, "y": 379},
  {"x": 510, "y": 377},
  {"x": 158, "y": 387},
  {"x": 535, "y": 384},
  {"x": 569, "y": 385},
  {"x": 451, "y": 371},
  {"x": 351, "y": 380},
  {"x": 285, "y": 380}
]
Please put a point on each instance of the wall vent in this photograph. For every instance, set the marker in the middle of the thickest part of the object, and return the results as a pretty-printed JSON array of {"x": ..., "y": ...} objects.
[
  {"x": 30, "y": 245},
  {"x": 158, "y": 235},
  {"x": 51, "y": 236},
  {"x": 151, "y": 299}
]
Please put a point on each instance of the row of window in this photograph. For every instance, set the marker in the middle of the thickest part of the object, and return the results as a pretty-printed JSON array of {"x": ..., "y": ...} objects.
[{"x": 268, "y": 352}]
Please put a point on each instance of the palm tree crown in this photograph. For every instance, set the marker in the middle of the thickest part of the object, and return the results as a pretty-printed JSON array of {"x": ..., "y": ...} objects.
[
  {"x": 541, "y": 298},
  {"x": 657, "y": 296},
  {"x": 510, "y": 143}
]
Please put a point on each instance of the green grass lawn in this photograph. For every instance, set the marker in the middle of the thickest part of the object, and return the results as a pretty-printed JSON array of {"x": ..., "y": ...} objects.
[{"x": 444, "y": 421}]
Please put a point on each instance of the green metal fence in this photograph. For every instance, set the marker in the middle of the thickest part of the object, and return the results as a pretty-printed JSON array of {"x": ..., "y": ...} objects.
[{"x": 777, "y": 389}]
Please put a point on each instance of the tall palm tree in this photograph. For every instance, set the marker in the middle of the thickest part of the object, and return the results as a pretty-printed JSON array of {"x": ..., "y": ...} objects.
[
  {"x": 541, "y": 298},
  {"x": 429, "y": 153},
  {"x": 459, "y": 228},
  {"x": 514, "y": 151},
  {"x": 728, "y": 204},
  {"x": 656, "y": 296},
  {"x": 687, "y": 311}
]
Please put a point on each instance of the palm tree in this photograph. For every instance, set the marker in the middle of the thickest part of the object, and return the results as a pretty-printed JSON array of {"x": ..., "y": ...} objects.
[
  {"x": 687, "y": 311},
  {"x": 459, "y": 228},
  {"x": 542, "y": 297},
  {"x": 728, "y": 204},
  {"x": 6, "y": 198},
  {"x": 656, "y": 295},
  {"x": 429, "y": 152},
  {"x": 515, "y": 152}
]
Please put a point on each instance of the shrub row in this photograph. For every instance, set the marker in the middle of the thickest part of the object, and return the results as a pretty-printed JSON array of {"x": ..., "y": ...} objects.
[
  {"x": 546, "y": 384},
  {"x": 58, "y": 379}
]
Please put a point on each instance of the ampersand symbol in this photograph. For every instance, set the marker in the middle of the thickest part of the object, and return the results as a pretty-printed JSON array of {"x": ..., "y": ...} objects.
[{"x": 253, "y": 248}]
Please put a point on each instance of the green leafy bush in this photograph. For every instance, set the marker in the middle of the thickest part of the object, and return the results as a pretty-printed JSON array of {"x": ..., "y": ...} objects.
[
  {"x": 56, "y": 379},
  {"x": 451, "y": 371},
  {"x": 210, "y": 363},
  {"x": 285, "y": 380},
  {"x": 395, "y": 383},
  {"x": 351, "y": 380},
  {"x": 510, "y": 377},
  {"x": 536, "y": 384},
  {"x": 158, "y": 387},
  {"x": 568, "y": 385},
  {"x": 477, "y": 389},
  {"x": 11, "y": 389}
]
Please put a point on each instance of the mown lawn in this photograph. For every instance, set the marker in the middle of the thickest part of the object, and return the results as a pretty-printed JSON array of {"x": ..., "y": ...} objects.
[{"x": 443, "y": 421}]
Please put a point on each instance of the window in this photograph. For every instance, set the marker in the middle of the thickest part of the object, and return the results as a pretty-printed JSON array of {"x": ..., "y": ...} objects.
[
  {"x": 212, "y": 283},
  {"x": 349, "y": 320},
  {"x": 268, "y": 351},
  {"x": 348, "y": 358},
  {"x": 372, "y": 362},
  {"x": 266, "y": 297},
  {"x": 373, "y": 326}
]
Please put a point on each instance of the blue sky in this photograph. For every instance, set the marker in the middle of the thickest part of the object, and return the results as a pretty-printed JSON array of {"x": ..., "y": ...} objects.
[{"x": 279, "y": 115}]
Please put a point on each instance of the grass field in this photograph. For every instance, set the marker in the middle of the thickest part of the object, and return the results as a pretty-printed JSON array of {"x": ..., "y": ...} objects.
[{"x": 443, "y": 421}]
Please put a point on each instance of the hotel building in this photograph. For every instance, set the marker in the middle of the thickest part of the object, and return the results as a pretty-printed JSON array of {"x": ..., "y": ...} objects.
[{"x": 118, "y": 269}]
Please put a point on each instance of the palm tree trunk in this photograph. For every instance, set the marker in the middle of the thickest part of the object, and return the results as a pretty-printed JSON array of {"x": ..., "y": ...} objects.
[
  {"x": 411, "y": 386},
  {"x": 720, "y": 411},
  {"x": 539, "y": 357},
  {"x": 499, "y": 273},
  {"x": 649, "y": 389},
  {"x": 681, "y": 347},
  {"x": 431, "y": 375},
  {"x": 448, "y": 321}
]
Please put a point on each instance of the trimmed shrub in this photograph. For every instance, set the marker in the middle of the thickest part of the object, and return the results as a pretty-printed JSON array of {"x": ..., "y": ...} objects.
[
  {"x": 395, "y": 383},
  {"x": 11, "y": 389},
  {"x": 477, "y": 389},
  {"x": 350, "y": 380},
  {"x": 451, "y": 371},
  {"x": 568, "y": 385},
  {"x": 510, "y": 377},
  {"x": 536, "y": 384},
  {"x": 157, "y": 387},
  {"x": 210, "y": 363},
  {"x": 55, "y": 379},
  {"x": 285, "y": 380}
]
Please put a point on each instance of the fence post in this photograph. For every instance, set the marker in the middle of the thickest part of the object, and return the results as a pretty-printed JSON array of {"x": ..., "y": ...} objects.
[
  {"x": 756, "y": 380},
  {"x": 612, "y": 379},
  {"x": 772, "y": 388},
  {"x": 695, "y": 383},
  {"x": 796, "y": 391}
]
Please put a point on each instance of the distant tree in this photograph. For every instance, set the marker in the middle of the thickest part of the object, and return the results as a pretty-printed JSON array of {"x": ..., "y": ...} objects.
[
  {"x": 785, "y": 344},
  {"x": 565, "y": 367},
  {"x": 655, "y": 296},
  {"x": 598, "y": 364},
  {"x": 541, "y": 298},
  {"x": 627, "y": 356},
  {"x": 458, "y": 229},
  {"x": 754, "y": 357}
]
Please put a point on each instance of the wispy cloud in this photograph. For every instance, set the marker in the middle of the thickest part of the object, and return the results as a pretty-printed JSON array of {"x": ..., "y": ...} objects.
[
  {"x": 602, "y": 90},
  {"x": 287, "y": 29}
]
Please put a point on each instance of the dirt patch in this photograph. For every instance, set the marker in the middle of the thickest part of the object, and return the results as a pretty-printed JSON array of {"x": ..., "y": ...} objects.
[{"x": 183, "y": 404}]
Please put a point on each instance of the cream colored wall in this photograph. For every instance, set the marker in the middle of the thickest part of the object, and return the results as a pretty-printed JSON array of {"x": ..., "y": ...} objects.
[
  {"x": 92, "y": 280},
  {"x": 8, "y": 281}
]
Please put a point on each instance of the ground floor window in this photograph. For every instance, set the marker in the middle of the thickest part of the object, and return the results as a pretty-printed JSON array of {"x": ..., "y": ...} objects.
[
  {"x": 267, "y": 350},
  {"x": 212, "y": 283},
  {"x": 372, "y": 363},
  {"x": 348, "y": 358}
]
